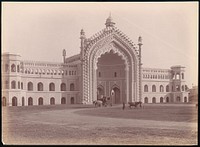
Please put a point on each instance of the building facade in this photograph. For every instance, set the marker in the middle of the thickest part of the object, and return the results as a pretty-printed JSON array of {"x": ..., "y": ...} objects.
[{"x": 109, "y": 64}]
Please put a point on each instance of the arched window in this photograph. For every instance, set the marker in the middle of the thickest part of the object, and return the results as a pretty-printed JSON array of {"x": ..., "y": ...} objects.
[
  {"x": 40, "y": 101},
  {"x": 72, "y": 100},
  {"x": 183, "y": 87},
  {"x": 6, "y": 67},
  {"x": 13, "y": 85},
  {"x": 22, "y": 101},
  {"x": 161, "y": 99},
  {"x": 6, "y": 85},
  {"x": 145, "y": 88},
  {"x": 153, "y": 88},
  {"x": 14, "y": 101},
  {"x": 115, "y": 74},
  {"x": 167, "y": 88},
  {"x": 153, "y": 100},
  {"x": 21, "y": 85},
  {"x": 52, "y": 101},
  {"x": 40, "y": 86},
  {"x": 99, "y": 74},
  {"x": 146, "y": 100},
  {"x": 13, "y": 68},
  {"x": 167, "y": 99},
  {"x": 18, "y": 85},
  {"x": 63, "y": 87},
  {"x": 161, "y": 88},
  {"x": 185, "y": 99},
  {"x": 30, "y": 101},
  {"x": 63, "y": 100},
  {"x": 17, "y": 68},
  {"x": 4, "y": 101},
  {"x": 30, "y": 86},
  {"x": 72, "y": 87},
  {"x": 178, "y": 76},
  {"x": 51, "y": 87}
]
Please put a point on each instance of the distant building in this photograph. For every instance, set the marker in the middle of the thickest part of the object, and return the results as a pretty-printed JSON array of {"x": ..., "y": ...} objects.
[
  {"x": 109, "y": 64},
  {"x": 193, "y": 94}
]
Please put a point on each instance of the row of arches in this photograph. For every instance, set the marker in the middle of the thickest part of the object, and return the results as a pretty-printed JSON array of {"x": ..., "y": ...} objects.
[
  {"x": 49, "y": 72},
  {"x": 178, "y": 76},
  {"x": 14, "y": 68},
  {"x": 161, "y": 88},
  {"x": 40, "y": 86},
  {"x": 40, "y": 101},
  {"x": 115, "y": 74},
  {"x": 14, "y": 85},
  {"x": 161, "y": 100},
  {"x": 149, "y": 76}
]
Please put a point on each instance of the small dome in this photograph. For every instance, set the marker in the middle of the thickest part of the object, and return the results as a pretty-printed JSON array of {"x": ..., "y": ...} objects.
[{"x": 109, "y": 22}]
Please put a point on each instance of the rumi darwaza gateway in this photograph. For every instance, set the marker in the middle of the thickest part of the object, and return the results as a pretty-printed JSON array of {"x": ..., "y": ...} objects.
[{"x": 109, "y": 64}]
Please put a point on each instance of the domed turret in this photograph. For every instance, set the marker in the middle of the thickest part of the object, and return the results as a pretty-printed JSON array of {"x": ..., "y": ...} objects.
[{"x": 109, "y": 22}]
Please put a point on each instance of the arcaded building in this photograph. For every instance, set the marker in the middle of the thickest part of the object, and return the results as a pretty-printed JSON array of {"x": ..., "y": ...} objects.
[{"x": 109, "y": 64}]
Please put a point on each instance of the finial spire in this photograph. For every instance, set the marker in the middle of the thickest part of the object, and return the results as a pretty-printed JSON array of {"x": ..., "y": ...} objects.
[{"x": 109, "y": 21}]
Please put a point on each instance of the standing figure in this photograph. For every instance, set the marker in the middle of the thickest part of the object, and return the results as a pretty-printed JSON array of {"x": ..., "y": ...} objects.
[{"x": 123, "y": 106}]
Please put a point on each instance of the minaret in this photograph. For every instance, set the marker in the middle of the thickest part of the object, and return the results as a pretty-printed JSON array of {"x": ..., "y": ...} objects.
[
  {"x": 140, "y": 68},
  {"x": 82, "y": 37},
  {"x": 64, "y": 55},
  {"x": 109, "y": 22}
]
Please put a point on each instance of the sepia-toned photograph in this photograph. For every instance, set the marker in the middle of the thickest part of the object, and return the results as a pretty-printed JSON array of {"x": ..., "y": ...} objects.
[{"x": 99, "y": 73}]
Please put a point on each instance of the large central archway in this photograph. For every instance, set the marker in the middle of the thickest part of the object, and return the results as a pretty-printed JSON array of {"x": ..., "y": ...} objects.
[
  {"x": 111, "y": 77},
  {"x": 110, "y": 40}
]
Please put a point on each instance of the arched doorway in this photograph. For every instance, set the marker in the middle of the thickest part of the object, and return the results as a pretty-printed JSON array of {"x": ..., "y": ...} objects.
[
  {"x": 72, "y": 100},
  {"x": 116, "y": 95},
  {"x": 14, "y": 101},
  {"x": 161, "y": 99},
  {"x": 146, "y": 100},
  {"x": 63, "y": 100},
  {"x": 30, "y": 101},
  {"x": 52, "y": 101},
  {"x": 153, "y": 100},
  {"x": 4, "y": 101},
  {"x": 167, "y": 99},
  {"x": 100, "y": 92},
  {"x": 40, "y": 101},
  {"x": 185, "y": 99}
]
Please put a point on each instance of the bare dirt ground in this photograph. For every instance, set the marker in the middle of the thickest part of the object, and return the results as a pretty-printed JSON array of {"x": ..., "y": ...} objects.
[{"x": 84, "y": 124}]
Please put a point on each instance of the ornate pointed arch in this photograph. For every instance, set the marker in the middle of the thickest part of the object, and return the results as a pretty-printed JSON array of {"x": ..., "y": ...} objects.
[{"x": 110, "y": 39}]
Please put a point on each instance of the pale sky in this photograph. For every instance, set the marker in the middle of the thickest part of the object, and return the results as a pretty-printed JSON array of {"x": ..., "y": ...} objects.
[{"x": 40, "y": 31}]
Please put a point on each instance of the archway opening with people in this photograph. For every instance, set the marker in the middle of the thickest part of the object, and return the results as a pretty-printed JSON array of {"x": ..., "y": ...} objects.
[
  {"x": 112, "y": 68},
  {"x": 100, "y": 92}
]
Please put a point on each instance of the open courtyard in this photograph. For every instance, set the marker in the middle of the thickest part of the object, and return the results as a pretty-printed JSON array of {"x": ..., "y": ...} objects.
[{"x": 155, "y": 124}]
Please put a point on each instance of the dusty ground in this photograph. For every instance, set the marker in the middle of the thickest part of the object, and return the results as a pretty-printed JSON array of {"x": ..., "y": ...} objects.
[{"x": 84, "y": 124}]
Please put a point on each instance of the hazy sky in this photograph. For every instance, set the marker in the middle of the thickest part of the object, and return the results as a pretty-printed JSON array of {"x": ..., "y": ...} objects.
[{"x": 39, "y": 31}]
